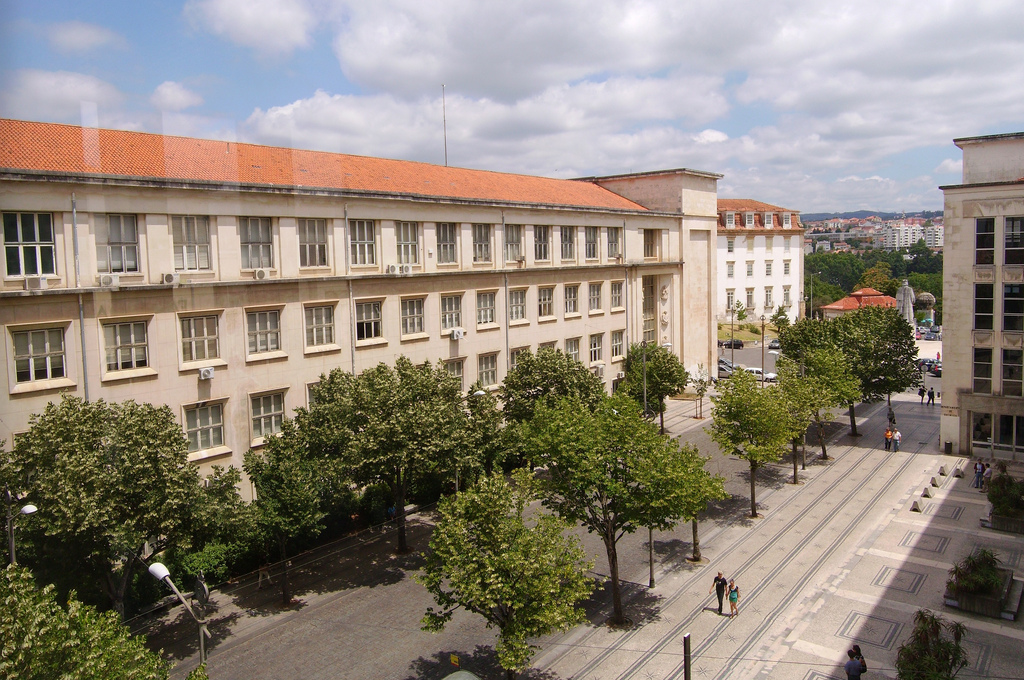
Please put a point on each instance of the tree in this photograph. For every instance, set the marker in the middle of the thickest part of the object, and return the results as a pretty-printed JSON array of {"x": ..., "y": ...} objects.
[
  {"x": 611, "y": 471},
  {"x": 798, "y": 396},
  {"x": 549, "y": 373},
  {"x": 701, "y": 385},
  {"x": 752, "y": 423},
  {"x": 525, "y": 577},
  {"x": 665, "y": 376},
  {"x": 934, "y": 650},
  {"x": 388, "y": 425},
  {"x": 880, "y": 278},
  {"x": 829, "y": 383},
  {"x": 486, "y": 445},
  {"x": 287, "y": 503},
  {"x": 108, "y": 478},
  {"x": 42, "y": 640},
  {"x": 780, "y": 319},
  {"x": 822, "y": 292}
]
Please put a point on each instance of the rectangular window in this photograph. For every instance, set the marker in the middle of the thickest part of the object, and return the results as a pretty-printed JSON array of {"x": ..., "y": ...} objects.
[
  {"x": 785, "y": 296},
  {"x": 516, "y": 305},
  {"x": 264, "y": 329},
  {"x": 750, "y": 244},
  {"x": 254, "y": 233},
  {"x": 730, "y": 245},
  {"x": 614, "y": 242},
  {"x": 199, "y": 338},
  {"x": 319, "y": 326},
  {"x": 750, "y": 269},
  {"x": 542, "y": 243},
  {"x": 545, "y": 302},
  {"x": 513, "y": 356},
  {"x": 769, "y": 243},
  {"x": 767, "y": 268},
  {"x": 596, "y": 347},
  {"x": 785, "y": 245},
  {"x": 649, "y": 309},
  {"x": 572, "y": 348},
  {"x": 1014, "y": 229},
  {"x": 1013, "y": 365},
  {"x": 786, "y": 221},
  {"x": 730, "y": 219},
  {"x": 117, "y": 251},
  {"x": 485, "y": 308},
  {"x": 267, "y": 414},
  {"x": 768, "y": 220},
  {"x": 730, "y": 299},
  {"x": 785, "y": 268},
  {"x": 368, "y": 324},
  {"x": 455, "y": 367},
  {"x": 749, "y": 220},
  {"x": 204, "y": 426},
  {"x": 651, "y": 238},
  {"x": 1013, "y": 307},
  {"x": 618, "y": 344},
  {"x": 125, "y": 345},
  {"x": 408, "y": 236},
  {"x": 513, "y": 242},
  {"x": 568, "y": 243},
  {"x": 769, "y": 299},
  {"x": 487, "y": 369},
  {"x": 572, "y": 294},
  {"x": 985, "y": 240},
  {"x": 412, "y": 316},
  {"x": 481, "y": 243},
  {"x": 313, "y": 243},
  {"x": 730, "y": 269},
  {"x": 191, "y": 243},
  {"x": 750, "y": 298},
  {"x": 38, "y": 355},
  {"x": 447, "y": 243},
  {"x": 591, "y": 242},
  {"x": 546, "y": 345},
  {"x": 28, "y": 244},
  {"x": 982, "y": 370},
  {"x": 364, "y": 242},
  {"x": 616, "y": 294},
  {"x": 983, "y": 306},
  {"x": 595, "y": 296},
  {"x": 451, "y": 311}
]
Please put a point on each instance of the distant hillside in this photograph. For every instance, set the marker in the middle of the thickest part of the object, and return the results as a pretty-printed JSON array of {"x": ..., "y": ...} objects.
[{"x": 861, "y": 214}]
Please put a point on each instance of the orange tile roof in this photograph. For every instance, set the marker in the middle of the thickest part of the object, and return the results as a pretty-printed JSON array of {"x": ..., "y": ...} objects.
[
  {"x": 51, "y": 147},
  {"x": 749, "y": 205},
  {"x": 746, "y": 205},
  {"x": 865, "y": 297}
]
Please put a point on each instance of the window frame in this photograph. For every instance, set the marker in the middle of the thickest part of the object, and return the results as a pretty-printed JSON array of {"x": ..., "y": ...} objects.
[
  {"x": 517, "y": 304},
  {"x": 482, "y": 243},
  {"x": 412, "y": 313},
  {"x": 363, "y": 243},
  {"x": 592, "y": 243},
  {"x": 986, "y": 308},
  {"x": 981, "y": 370},
  {"x": 374, "y": 322},
  {"x": 1013, "y": 240},
  {"x": 271, "y": 334},
  {"x": 191, "y": 242},
  {"x": 486, "y": 307},
  {"x": 275, "y": 416},
  {"x": 546, "y": 299},
  {"x": 319, "y": 333},
  {"x": 190, "y": 341},
  {"x": 105, "y": 262},
  {"x": 614, "y": 238},
  {"x": 542, "y": 243},
  {"x": 483, "y": 373},
  {"x": 448, "y": 246},
  {"x": 571, "y": 299},
  {"x": 615, "y": 295},
  {"x": 450, "y": 364},
  {"x": 33, "y": 357},
  {"x": 451, "y": 318},
  {"x": 214, "y": 426},
  {"x": 264, "y": 248},
  {"x": 984, "y": 241},
  {"x": 567, "y": 242},
  {"x": 652, "y": 243},
  {"x": 131, "y": 349},
  {"x": 1013, "y": 307},
  {"x": 594, "y": 300},
  {"x": 596, "y": 347},
  {"x": 514, "y": 243},
  {"x": 1012, "y": 372},
  {"x": 618, "y": 344},
  {"x": 572, "y": 348},
  {"x": 43, "y": 252},
  {"x": 407, "y": 242}
]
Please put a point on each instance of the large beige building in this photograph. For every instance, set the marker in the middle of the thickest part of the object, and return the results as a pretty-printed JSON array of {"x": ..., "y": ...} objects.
[
  {"x": 222, "y": 279},
  {"x": 983, "y": 301}
]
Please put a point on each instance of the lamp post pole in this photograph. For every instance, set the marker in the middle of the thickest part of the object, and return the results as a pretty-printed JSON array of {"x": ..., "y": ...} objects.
[
  {"x": 27, "y": 509},
  {"x": 732, "y": 337},
  {"x": 762, "y": 350},
  {"x": 162, "y": 574}
]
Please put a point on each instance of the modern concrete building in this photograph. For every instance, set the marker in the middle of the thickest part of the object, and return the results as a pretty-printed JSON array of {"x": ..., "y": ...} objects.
[
  {"x": 222, "y": 279},
  {"x": 760, "y": 258},
  {"x": 983, "y": 301}
]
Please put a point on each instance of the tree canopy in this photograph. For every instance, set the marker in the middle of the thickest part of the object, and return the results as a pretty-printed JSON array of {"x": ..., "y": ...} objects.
[
  {"x": 524, "y": 576},
  {"x": 880, "y": 278},
  {"x": 549, "y": 373},
  {"x": 665, "y": 376},
  {"x": 825, "y": 382},
  {"x": 934, "y": 650},
  {"x": 880, "y": 349}
]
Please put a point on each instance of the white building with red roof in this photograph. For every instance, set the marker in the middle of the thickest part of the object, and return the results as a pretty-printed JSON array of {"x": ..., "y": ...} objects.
[{"x": 864, "y": 297}]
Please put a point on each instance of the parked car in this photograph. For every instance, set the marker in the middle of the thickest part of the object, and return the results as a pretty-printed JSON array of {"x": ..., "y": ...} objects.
[
  {"x": 733, "y": 344},
  {"x": 925, "y": 364},
  {"x": 936, "y": 369},
  {"x": 774, "y": 344},
  {"x": 932, "y": 336},
  {"x": 722, "y": 361},
  {"x": 757, "y": 373},
  {"x": 724, "y": 371}
]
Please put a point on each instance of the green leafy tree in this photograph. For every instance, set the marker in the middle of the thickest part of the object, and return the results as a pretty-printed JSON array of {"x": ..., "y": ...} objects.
[
  {"x": 108, "y": 478},
  {"x": 524, "y": 576},
  {"x": 701, "y": 385},
  {"x": 780, "y": 319},
  {"x": 798, "y": 397},
  {"x": 752, "y": 423},
  {"x": 549, "y": 373},
  {"x": 821, "y": 292},
  {"x": 880, "y": 278},
  {"x": 388, "y": 425},
  {"x": 42, "y": 640},
  {"x": 665, "y": 376},
  {"x": 287, "y": 506},
  {"x": 487, "y": 443},
  {"x": 611, "y": 471},
  {"x": 934, "y": 650},
  {"x": 839, "y": 270},
  {"x": 739, "y": 311},
  {"x": 829, "y": 383}
]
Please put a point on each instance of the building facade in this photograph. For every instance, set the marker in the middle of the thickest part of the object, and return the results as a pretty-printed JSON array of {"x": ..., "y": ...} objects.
[
  {"x": 865, "y": 297},
  {"x": 983, "y": 301},
  {"x": 760, "y": 259},
  {"x": 223, "y": 279}
]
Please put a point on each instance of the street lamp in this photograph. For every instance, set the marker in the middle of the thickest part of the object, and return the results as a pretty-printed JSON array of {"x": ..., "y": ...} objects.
[
  {"x": 162, "y": 574},
  {"x": 26, "y": 509},
  {"x": 762, "y": 350},
  {"x": 732, "y": 336}
]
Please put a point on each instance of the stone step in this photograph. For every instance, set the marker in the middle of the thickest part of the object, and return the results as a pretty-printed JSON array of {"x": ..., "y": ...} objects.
[{"x": 1013, "y": 601}]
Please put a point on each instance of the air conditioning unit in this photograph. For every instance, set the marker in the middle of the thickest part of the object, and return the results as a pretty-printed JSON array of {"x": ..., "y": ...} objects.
[
  {"x": 172, "y": 279},
  {"x": 109, "y": 280},
  {"x": 458, "y": 333},
  {"x": 35, "y": 283},
  {"x": 620, "y": 375},
  {"x": 521, "y": 259},
  {"x": 599, "y": 371},
  {"x": 392, "y": 269},
  {"x": 261, "y": 274},
  {"x": 406, "y": 269},
  {"x": 206, "y": 373}
]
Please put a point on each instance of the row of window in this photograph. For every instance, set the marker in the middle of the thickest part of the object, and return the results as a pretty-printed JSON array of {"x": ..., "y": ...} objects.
[
  {"x": 985, "y": 240},
  {"x": 787, "y": 243},
  {"x": 748, "y": 220},
  {"x": 1013, "y": 306},
  {"x": 730, "y": 268},
  {"x": 769, "y": 298},
  {"x": 1012, "y": 371},
  {"x": 29, "y": 243}
]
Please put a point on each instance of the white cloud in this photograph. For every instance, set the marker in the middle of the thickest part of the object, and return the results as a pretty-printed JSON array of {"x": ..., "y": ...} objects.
[
  {"x": 78, "y": 36},
  {"x": 710, "y": 136},
  {"x": 56, "y": 96},
  {"x": 172, "y": 96},
  {"x": 951, "y": 167},
  {"x": 267, "y": 26}
]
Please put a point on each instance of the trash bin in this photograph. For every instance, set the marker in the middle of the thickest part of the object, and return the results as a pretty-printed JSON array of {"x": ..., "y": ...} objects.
[{"x": 948, "y": 448}]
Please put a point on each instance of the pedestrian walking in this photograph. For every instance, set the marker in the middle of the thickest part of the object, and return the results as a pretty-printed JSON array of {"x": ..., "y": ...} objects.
[
  {"x": 979, "y": 472},
  {"x": 855, "y": 665},
  {"x": 897, "y": 438},
  {"x": 888, "y": 438},
  {"x": 921, "y": 393},
  {"x": 931, "y": 396},
  {"x": 892, "y": 418},
  {"x": 734, "y": 599},
  {"x": 986, "y": 478},
  {"x": 719, "y": 586}
]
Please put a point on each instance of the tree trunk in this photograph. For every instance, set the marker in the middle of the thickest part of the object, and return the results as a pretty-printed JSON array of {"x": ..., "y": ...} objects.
[
  {"x": 696, "y": 542},
  {"x": 618, "y": 618},
  {"x": 403, "y": 544},
  {"x": 795, "y": 478},
  {"x": 662, "y": 416},
  {"x": 753, "y": 498},
  {"x": 803, "y": 451},
  {"x": 116, "y": 585},
  {"x": 853, "y": 422},
  {"x": 510, "y": 674},
  {"x": 821, "y": 438},
  {"x": 286, "y": 591}
]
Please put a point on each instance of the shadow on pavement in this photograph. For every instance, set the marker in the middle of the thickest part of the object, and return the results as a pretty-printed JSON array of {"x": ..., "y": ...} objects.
[{"x": 482, "y": 661}]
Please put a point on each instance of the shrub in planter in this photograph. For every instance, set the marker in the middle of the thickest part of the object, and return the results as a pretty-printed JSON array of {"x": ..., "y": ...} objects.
[
  {"x": 976, "y": 574},
  {"x": 1006, "y": 496}
]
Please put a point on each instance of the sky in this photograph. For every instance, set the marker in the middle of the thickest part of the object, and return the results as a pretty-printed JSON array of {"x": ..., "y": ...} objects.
[{"x": 814, "y": 106}]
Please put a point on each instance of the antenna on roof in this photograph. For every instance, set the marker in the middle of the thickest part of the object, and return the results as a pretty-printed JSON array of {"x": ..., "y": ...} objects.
[{"x": 444, "y": 125}]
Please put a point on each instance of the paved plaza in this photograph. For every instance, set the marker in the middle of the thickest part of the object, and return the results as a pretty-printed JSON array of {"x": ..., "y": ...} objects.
[{"x": 838, "y": 559}]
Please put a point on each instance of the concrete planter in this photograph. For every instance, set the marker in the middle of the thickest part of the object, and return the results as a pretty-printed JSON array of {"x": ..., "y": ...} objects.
[
  {"x": 1014, "y": 525},
  {"x": 991, "y": 605}
]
